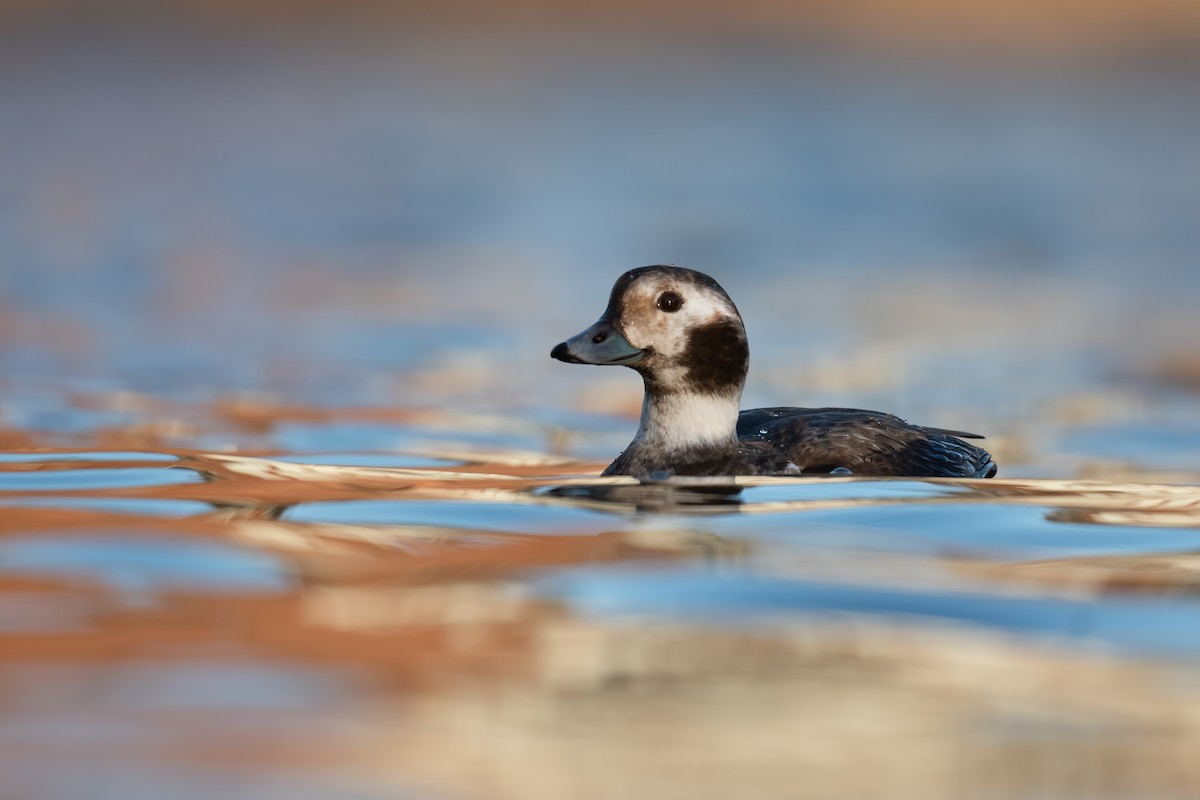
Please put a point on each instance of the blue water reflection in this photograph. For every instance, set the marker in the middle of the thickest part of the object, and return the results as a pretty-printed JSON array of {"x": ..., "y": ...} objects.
[
  {"x": 69, "y": 456},
  {"x": 73, "y": 479},
  {"x": 995, "y": 529},
  {"x": 453, "y": 514},
  {"x": 138, "y": 566},
  {"x": 376, "y": 438},
  {"x": 1144, "y": 626},
  {"x": 1157, "y": 446},
  {"x": 114, "y": 505}
]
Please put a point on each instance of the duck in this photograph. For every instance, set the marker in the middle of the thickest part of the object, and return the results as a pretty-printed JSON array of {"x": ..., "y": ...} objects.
[{"x": 682, "y": 333}]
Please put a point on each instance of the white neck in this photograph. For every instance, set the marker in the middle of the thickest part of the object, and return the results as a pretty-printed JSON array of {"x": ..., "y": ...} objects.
[{"x": 681, "y": 420}]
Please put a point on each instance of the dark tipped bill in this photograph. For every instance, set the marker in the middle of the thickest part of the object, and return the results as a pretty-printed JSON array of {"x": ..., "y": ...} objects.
[{"x": 599, "y": 344}]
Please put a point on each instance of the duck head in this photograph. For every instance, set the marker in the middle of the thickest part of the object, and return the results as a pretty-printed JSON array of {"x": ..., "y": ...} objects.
[{"x": 675, "y": 326}]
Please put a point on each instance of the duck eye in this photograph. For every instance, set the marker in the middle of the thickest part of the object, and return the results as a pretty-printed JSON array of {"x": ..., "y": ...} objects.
[{"x": 669, "y": 301}]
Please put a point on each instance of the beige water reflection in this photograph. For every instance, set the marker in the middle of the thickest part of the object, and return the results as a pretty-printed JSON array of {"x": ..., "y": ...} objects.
[{"x": 419, "y": 660}]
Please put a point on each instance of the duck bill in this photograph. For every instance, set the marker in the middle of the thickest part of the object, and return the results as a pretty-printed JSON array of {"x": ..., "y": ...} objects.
[{"x": 600, "y": 344}]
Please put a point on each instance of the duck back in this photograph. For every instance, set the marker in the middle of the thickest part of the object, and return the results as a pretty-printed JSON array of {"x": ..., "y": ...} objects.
[{"x": 821, "y": 440}]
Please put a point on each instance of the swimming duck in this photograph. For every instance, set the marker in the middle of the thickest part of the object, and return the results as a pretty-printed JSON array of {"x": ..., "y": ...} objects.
[{"x": 680, "y": 331}]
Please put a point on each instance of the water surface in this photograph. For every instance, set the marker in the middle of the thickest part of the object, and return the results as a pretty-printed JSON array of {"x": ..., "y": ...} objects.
[{"x": 293, "y": 502}]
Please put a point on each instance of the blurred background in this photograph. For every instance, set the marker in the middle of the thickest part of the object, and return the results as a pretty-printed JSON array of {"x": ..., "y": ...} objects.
[
  {"x": 344, "y": 234},
  {"x": 980, "y": 216}
]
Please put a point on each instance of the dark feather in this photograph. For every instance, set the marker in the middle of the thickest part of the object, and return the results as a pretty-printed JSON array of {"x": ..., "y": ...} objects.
[{"x": 864, "y": 442}]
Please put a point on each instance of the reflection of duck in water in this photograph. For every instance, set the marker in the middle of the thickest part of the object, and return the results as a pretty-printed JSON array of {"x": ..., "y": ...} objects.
[{"x": 679, "y": 329}]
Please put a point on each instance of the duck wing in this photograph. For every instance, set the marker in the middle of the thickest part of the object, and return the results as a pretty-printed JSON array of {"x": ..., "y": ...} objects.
[{"x": 820, "y": 440}]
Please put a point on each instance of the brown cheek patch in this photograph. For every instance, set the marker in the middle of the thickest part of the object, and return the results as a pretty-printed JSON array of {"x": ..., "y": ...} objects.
[
  {"x": 638, "y": 326},
  {"x": 640, "y": 316}
]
